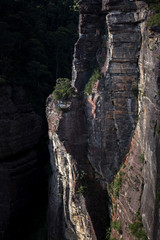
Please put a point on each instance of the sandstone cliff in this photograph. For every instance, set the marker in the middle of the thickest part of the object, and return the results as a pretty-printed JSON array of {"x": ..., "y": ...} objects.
[{"x": 110, "y": 135}]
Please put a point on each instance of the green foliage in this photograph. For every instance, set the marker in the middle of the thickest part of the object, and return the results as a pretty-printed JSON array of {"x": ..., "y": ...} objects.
[
  {"x": 81, "y": 189},
  {"x": 95, "y": 77},
  {"x": 116, "y": 184},
  {"x": 137, "y": 229},
  {"x": 108, "y": 233},
  {"x": 83, "y": 174},
  {"x": 155, "y": 18},
  {"x": 116, "y": 225},
  {"x": 75, "y": 5},
  {"x": 135, "y": 90},
  {"x": 141, "y": 158},
  {"x": 158, "y": 128},
  {"x": 63, "y": 89}
]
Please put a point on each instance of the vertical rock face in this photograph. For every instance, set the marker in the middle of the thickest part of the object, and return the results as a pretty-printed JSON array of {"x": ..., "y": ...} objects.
[
  {"x": 20, "y": 129},
  {"x": 91, "y": 28},
  {"x": 71, "y": 214},
  {"x": 139, "y": 192},
  {"x": 118, "y": 123},
  {"x": 112, "y": 109}
]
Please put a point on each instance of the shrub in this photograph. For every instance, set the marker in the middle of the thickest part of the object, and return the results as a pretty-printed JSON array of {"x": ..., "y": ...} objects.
[
  {"x": 117, "y": 183},
  {"x": 95, "y": 76},
  {"x": 116, "y": 225},
  {"x": 63, "y": 89},
  {"x": 83, "y": 174},
  {"x": 81, "y": 189},
  {"x": 108, "y": 233},
  {"x": 141, "y": 158},
  {"x": 137, "y": 230},
  {"x": 115, "y": 186},
  {"x": 155, "y": 19}
]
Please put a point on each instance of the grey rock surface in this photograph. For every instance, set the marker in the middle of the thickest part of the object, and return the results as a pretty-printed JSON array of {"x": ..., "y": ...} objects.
[{"x": 120, "y": 119}]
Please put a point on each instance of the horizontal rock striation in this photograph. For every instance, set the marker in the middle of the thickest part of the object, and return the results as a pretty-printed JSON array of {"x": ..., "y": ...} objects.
[
  {"x": 20, "y": 129},
  {"x": 140, "y": 186},
  {"x": 112, "y": 109},
  {"x": 117, "y": 124}
]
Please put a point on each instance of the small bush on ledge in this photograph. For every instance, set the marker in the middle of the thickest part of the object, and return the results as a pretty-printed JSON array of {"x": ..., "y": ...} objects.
[
  {"x": 116, "y": 225},
  {"x": 81, "y": 189},
  {"x": 141, "y": 158},
  {"x": 136, "y": 228},
  {"x": 63, "y": 89},
  {"x": 95, "y": 76},
  {"x": 115, "y": 186}
]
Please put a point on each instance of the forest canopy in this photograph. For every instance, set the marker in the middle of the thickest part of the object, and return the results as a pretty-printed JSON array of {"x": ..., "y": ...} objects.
[{"x": 36, "y": 44}]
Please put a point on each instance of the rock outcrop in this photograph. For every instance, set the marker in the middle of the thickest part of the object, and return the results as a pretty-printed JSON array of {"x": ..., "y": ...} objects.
[
  {"x": 71, "y": 214},
  {"x": 20, "y": 129},
  {"x": 117, "y": 124},
  {"x": 139, "y": 195}
]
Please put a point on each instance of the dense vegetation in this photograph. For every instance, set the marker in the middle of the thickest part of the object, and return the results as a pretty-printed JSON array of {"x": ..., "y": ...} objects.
[
  {"x": 93, "y": 79},
  {"x": 155, "y": 18},
  {"x": 63, "y": 89},
  {"x": 36, "y": 44},
  {"x": 115, "y": 186},
  {"x": 137, "y": 229},
  {"x": 116, "y": 225}
]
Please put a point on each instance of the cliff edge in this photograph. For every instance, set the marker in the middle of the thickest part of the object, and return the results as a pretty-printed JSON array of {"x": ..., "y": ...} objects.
[{"x": 104, "y": 140}]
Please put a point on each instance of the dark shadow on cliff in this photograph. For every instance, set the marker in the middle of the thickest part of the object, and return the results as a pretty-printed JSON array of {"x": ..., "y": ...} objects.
[
  {"x": 73, "y": 132},
  {"x": 29, "y": 198}
]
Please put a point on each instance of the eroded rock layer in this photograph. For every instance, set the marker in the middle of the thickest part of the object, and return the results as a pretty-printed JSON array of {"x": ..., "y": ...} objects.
[
  {"x": 117, "y": 123},
  {"x": 139, "y": 192},
  {"x": 71, "y": 214}
]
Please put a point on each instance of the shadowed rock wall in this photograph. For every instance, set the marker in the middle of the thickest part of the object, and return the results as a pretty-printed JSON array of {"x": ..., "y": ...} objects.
[
  {"x": 20, "y": 129},
  {"x": 118, "y": 123}
]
